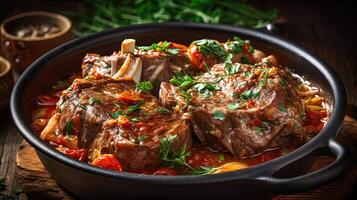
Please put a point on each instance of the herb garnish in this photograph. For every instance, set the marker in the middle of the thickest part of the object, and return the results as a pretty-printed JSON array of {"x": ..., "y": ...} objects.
[
  {"x": 94, "y": 100},
  {"x": 116, "y": 114},
  {"x": 282, "y": 108},
  {"x": 210, "y": 47},
  {"x": 133, "y": 108},
  {"x": 142, "y": 138},
  {"x": 187, "y": 97},
  {"x": 163, "y": 110},
  {"x": 162, "y": 47},
  {"x": 259, "y": 130},
  {"x": 217, "y": 114},
  {"x": 171, "y": 158},
  {"x": 184, "y": 81},
  {"x": 68, "y": 128},
  {"x": 113, "y": 14},
  {"x": 221, "y": 157},
  {"x": 145, "y": 86},
  {"x": 234, "y": 106},
  {"x": 231, "y": 69}
]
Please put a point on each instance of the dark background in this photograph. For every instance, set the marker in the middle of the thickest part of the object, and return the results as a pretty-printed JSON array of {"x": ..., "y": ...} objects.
[{"x": 326, "y": 28}]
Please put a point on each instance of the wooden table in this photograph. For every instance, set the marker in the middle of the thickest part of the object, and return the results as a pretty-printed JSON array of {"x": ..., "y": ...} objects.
[{"x": 327, "y": 29}]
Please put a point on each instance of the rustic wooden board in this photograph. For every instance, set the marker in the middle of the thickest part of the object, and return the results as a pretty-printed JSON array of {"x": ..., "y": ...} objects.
[{"x": 37, "y": 183}]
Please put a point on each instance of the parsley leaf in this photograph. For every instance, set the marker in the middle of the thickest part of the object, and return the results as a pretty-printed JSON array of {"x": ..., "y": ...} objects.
[
  {"x": 94, "y": 100},
  {"x": 217, "y": 114},
  {"x": 142, "y": 138},
  {"x": 133, "y": 108},
  {"x": 282, "y": 108},
  {"x": 145, "y": 86},
  {"x": 68, "y": 128},
  {"x": 171, "y": 158},
  {"x": 221, "y": 157},
  {"x": 162, "y": 47},
  {"x": 116, "y": 114},
  {"x": 184, "y": 81},
  {"x": 234, "y": 106},
  {"x": 258, "y": 130},
  {"x": 163, "y": 110},
  {"x": 211, "y": 47}
]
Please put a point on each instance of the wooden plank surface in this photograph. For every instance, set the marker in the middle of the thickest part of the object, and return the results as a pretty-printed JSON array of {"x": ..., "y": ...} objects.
[{"x": 327, "y": 29}]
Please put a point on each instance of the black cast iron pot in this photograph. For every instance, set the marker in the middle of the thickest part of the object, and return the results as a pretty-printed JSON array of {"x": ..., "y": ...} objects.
[{"x": 280, "y": 176}]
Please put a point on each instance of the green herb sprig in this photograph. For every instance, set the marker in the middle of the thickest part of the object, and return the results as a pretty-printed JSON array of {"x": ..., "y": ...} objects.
[{"x": 102, "y": 15}]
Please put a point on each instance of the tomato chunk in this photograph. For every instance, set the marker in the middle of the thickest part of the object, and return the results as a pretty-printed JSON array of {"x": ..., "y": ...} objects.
[
  {"x": 79, "y": 154},
  {"x": 124, "y": 121},
  {"x": 182, "y": 47},
  {"x": 129, "y": 97},
  {"x": 108, "y": 161},
  {"x": 250, "y": 103},
  {"x": 255, "y": 122}
]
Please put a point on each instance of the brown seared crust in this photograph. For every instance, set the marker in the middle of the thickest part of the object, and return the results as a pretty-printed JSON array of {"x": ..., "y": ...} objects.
[
  {"x": 136, "y": 146},
  {"x": 235, "y": 133},
  {"x": 156, "y": 66}
]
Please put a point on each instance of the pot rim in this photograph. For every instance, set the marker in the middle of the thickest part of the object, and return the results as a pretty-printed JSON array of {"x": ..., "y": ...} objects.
[
  {"x": 67, "y": 25},
  {"x": 328, "y": 132}
]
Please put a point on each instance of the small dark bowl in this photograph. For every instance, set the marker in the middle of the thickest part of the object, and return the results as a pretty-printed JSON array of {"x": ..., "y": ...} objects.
[{"x": 279, "y": 176}]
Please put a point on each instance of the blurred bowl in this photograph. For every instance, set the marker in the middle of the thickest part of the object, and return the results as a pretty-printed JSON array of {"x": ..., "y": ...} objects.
[
  {"x": 6, "y": 83},
  {"x": 21, "y": 51}
]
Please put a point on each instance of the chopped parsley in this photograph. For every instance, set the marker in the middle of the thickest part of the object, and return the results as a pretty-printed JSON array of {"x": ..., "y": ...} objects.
[
  {"x": 282, "y": 108},
  {"x": 133, "y": 108},
  {"x": 135, "y": 119},
  {"x": 246, "y": 94},
  {"x": 94, "y": 100},
  {"x": 68, "y": 128},
  {"x": 184, "y": 81},
  {"x": 162, "y": 47},
  {"x": 217, "y": 114},
  {"x": 145, "y": 86},
  {"x": 211, "y": 47},
  {"x": 116, "y": 114},
  {"x": 259, "y": 130},
  {"x": 263, "y": 82},
  {"x": 303, "y": 115},
  {"x": 142, "y": 138},
  {"x": 282, "y": 82},
  {"x": 221, "y": 157},
  {"x": 171, "y": 158},
  {"x": 250, "y": 94},
  {"x": 163, "y": 110},
  {"x": 234, "y": 106},
  {"x": 231, "y": 69},
  {"x": 202, "y": 87},
  {"x": 236, "y": 45},
  {"x": 187, "y": 97}
]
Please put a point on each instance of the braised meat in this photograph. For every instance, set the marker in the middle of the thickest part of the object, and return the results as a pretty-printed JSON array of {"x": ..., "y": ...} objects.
[
  {"x": 109, "y": 116},
  {"x": 156, "y": 66},
  {"x": 240, "y": 108},
  {"x": 242, "y": 105}
]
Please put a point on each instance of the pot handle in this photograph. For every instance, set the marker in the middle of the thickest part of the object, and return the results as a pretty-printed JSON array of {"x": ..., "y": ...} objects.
[{"x": 310, "y": 180}]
